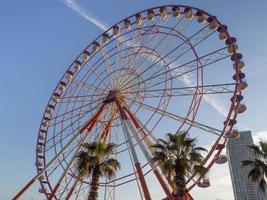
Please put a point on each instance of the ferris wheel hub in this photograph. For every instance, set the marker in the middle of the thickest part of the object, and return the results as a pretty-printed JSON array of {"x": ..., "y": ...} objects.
[{"x": 110, "y": 97}]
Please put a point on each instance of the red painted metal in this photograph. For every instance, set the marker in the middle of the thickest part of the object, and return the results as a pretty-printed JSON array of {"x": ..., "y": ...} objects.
[
  {"x": 142, "y": 181},
  {"x": 107, "y": 129},
  {"x": 138, "y": 127},
  {"x": 137, "y": 165},
  {"x": 71, "y": 190},
  {"x": 29, "y": 184}
]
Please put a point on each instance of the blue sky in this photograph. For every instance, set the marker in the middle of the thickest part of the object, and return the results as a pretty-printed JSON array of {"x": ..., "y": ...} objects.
[{"x": 39, "y": 39}]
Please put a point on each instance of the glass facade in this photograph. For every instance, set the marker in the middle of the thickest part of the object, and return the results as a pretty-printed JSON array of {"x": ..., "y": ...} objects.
[{"x": 237, "y": 151}]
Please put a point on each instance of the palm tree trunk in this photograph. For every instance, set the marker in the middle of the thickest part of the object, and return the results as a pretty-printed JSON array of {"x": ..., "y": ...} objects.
[
  {"x": 179, "y": 180},
  {"x": 94, "y": 184}
]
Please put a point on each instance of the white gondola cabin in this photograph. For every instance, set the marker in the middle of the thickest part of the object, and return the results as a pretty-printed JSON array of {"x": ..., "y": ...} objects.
[
  {"x": 221, "y": 159},
  {"x": 138, "y": 19},
  {"x": 240, "y": 65},
  {"x": 150, "y": 15},
  {"x": 175, "y": 11},
  {"x": 163, "y": 13},
  {"x": 188, "y": 13},
  {"x": 69, "y": 75},
  {"x": 204, "y": 183},
  {"x": 232, "y": 134},
  {"x": 241, "y": 108},
  {"x": 242, "y": 85}
]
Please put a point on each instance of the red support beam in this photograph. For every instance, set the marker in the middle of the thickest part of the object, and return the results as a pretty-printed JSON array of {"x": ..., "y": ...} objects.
[
  {"x": 107, "y": 129},
  {"x": 24, "y": 189},
  {"x": 142, "y": 181},
  {"x": 72, "y": 189},
  {"x": 156, "y": 172},
  {"x": 137, "y": 164}
]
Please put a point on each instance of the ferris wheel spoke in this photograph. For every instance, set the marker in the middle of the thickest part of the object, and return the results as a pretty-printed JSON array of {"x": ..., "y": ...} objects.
[
  {"x": 141, "y": 50},
  {"x": 52, "y": 140},
  {"x": 118, "y": 60},
  {"x": 100, "y": 78},
  {"x": 74, "y": 112},
  {"x": 148, "y": 55},
  {"x": 185, "y": 91},
  {"x": 156, "y": 29},
  {"x": 80, "y": 98},
  {"x": 77, "y": 193},
  {"x": 191, "y": 42},
  {"x": 63, "y": 188},
  {"x": 184, "y": 47},
  {"x": 108, "y": 67},
  {"x": 58, "y": 162},
  {"x": 70, "y": 116},
  {"x": 191, "y": 66},
  {"x": 59, "y": 137},
  {"x": 89, "y": 86},
  {"x": 148, "y": 31},
  {"x": 179, "y": 118},
  {"x": 138, "y": 47}
]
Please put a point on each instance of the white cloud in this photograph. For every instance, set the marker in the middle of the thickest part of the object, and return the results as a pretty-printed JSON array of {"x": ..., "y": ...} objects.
[
  {"x": 72, "y": 4},
  {"x": 259, "y": 136}
]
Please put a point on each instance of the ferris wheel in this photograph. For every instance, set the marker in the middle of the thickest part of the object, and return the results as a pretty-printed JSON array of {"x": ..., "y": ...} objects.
[{"x": 165, "y": 69}]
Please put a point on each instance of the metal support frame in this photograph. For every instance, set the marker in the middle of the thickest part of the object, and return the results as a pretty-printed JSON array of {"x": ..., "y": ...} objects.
[
  {"x": 133, "y": 152},
  {"x": 144, "y": 143}
]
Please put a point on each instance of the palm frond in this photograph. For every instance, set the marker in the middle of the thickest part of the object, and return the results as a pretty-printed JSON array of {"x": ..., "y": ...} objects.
[
  {"x": 262, "y": 185},
  {"x": 168, "y": 168},
  {"x": 255, "y": 174},
  {"x": 109, "y": 167},
  {"x": 256, "y": 150},
  {"x": 95, "y": 156},
  {"x": 178, "y": 155},
  {"x": 159, "y": 157},
  {"x": 162, "y": 141},
  {"x": 200, "y": 170},
  {"x": 110, "y": 148},
  {"x": 200, "y": 149},
  {"x": 111, "y": 162},
  {"x": 263, "y": 146},
  {"x": 195, "y": 157},
  {"x": 108, "y": 172},
  {"x": 158, "y": 146},
  {"x": 247, "y": 162}
]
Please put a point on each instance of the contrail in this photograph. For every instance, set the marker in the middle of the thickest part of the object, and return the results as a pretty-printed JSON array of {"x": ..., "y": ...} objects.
[
  {"x": 187, "y": 80},
  {"x": 72, "y": 4}
]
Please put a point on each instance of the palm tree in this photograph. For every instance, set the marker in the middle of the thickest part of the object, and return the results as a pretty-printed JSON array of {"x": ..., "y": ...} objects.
[
  {"x": 178, "y": 157},
  {"x": 258, "y": 173},
  {"x": 94, "y": 161}
]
